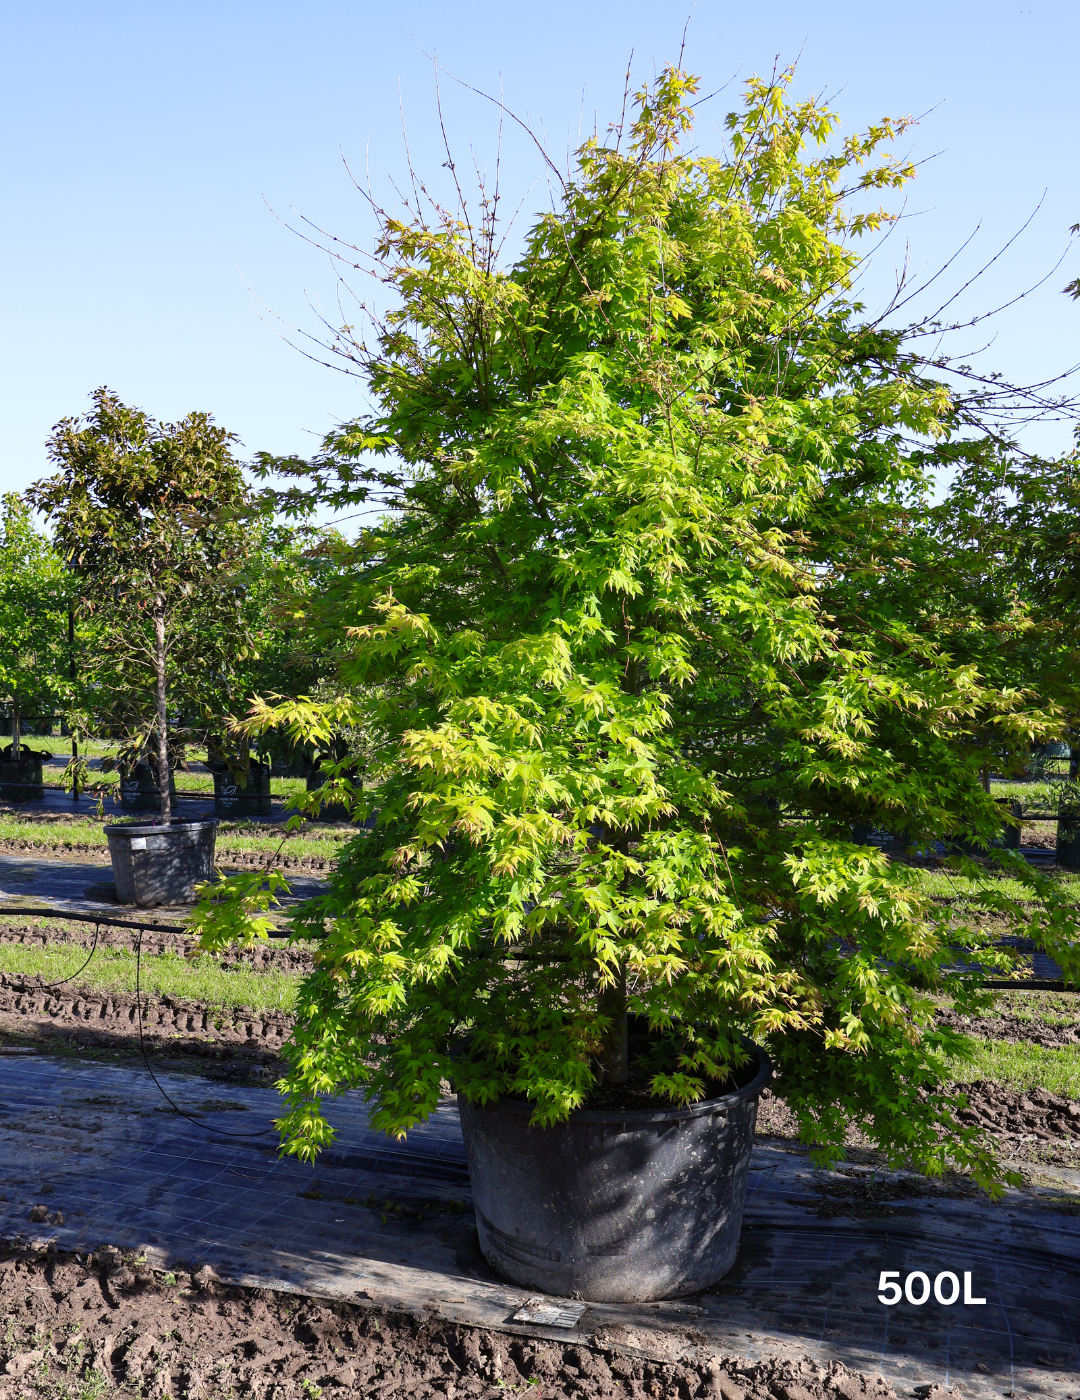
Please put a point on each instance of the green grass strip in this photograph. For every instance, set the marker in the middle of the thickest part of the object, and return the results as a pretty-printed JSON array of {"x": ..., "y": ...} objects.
[
  {"x": 942, "y": 886},
  {"x": 1021, "y": 1067},
  {"x": 165, "y": 974}
]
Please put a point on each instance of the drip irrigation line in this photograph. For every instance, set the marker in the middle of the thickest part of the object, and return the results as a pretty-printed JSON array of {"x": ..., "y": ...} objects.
[
  {"x": 92, "y": 919},
  {"x": 199, "y": 1123},
  {"x": 51, "y": 986},
  {"x": 118, "y": 923}
]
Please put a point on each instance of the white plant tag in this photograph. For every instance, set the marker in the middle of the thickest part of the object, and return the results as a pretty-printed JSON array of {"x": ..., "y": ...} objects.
[
  {"x": 138, "y": 843},
  {"x": 550, "y": 1312}
]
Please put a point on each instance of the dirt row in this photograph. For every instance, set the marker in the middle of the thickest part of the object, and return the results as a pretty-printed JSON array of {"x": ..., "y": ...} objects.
[
  {"x": 1036, "y": 1126},
  {"x": 109, "y": 1320},
  {"x": 220, "y": 1043},
  {"x": 1006, "y": 1025},
  {"x": 269, "y": 956},
  {"x": 1015, "y": 1117}
]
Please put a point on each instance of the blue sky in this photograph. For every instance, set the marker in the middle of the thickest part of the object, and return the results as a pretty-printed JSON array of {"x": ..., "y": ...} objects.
[{"x": 153, "y": 150}]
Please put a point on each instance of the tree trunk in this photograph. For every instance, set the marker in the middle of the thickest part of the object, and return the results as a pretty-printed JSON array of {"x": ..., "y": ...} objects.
[
  {"x": 71, "y": 675},
  {"x": 615, "y": 1061},
  {"x": 162, "y": 713},
  {"x": 16, "y": 725}
]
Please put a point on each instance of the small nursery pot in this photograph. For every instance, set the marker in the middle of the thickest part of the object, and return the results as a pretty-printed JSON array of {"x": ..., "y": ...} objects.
[
  {"x": 614, "y": 1205},
  {"x": 157, "y": 864},
  {"x": 21, "y": 780}
]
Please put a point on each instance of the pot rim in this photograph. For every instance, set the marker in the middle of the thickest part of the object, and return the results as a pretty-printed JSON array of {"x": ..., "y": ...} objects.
[
  {"x": 677, "y": 1113},
  {"x": 144, "y": 828}
]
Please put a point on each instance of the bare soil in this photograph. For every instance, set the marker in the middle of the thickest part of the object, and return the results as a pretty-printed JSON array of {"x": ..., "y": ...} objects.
[
  {"x": 1015, "y": 1119},
  {"x": 1039, "y": 833},
  {"x": 219, "y": 1043},
  {"x": 108, "y": 1325},
  {"x": 1006, "y": 1025},
  {"x": 1037, "y": 1127}
]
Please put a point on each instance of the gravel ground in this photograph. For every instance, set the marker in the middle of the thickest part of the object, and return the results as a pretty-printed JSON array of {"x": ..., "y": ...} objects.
[{"x": 108, "y": 1326}]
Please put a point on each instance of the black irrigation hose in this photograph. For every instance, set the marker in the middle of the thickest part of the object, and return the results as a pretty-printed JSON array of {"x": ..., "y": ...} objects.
[
  {"x": 221, "y": 1132},
  {"x": 52, "y": 986},
  {"x": 92, "y": 919},
  {"x": 156, "y": 928}
]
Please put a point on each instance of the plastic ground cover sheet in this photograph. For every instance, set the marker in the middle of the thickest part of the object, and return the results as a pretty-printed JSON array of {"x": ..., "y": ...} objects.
[{"x": 92, "y": 1155}]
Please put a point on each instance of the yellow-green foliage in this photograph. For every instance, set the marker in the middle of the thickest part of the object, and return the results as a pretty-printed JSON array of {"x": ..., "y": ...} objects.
[{"x": 652, "y": 628}]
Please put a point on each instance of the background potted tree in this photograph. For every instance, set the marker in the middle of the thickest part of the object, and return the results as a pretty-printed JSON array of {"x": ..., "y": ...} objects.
[
  {"x": 283, "y": 565},
  {"x": 636, "y": 642},
  {"x": 33, "y": 638},
  {"x": 152, "y": 519}
]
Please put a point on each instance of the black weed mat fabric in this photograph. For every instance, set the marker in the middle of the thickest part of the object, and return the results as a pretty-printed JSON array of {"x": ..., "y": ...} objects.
[{"x": 93, "y": 1155}]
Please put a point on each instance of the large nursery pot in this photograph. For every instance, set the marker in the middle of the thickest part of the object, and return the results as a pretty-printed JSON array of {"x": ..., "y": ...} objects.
[
  {"x": 232, "y": 800},
  {"x": 331, "y": 811},
  {"x": 139, "y": 791},
  {"x": 1068, "y": 833},
  {"x": 1009, "y": 840},
  {"x": 614, "y": 1205},
  {"x": 21, "y": 780},
  {"x": 158, "y": 864}
]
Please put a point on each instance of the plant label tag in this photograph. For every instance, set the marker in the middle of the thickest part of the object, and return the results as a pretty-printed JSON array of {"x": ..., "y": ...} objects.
[
  {"x": 550, "y": 1312},
  {"x": 138, "y": 843}
]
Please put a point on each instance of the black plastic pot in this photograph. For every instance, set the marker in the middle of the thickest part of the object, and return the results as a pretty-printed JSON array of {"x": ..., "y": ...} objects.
[
  {"x": 331, "y": 811},
  {"x": 1068, "y": 835},
  {"x": 21, "y": 781},
  {"x": 251, "y": 800},
  {"x": 139, "y": 791},
  {"x": 615, "y": 1205},
  {"x": 865, "y": 834},
  {"x": 157, "y": 864},
  {"x": 1008, "y": 841},
  {"x": 892, "y": 843}
]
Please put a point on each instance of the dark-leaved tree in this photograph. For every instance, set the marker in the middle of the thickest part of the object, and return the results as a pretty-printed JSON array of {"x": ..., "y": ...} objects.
[{"x": 153, "y": 521}]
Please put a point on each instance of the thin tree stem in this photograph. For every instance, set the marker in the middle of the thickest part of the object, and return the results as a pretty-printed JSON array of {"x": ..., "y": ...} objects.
[{"x": 162, "y": 712}]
